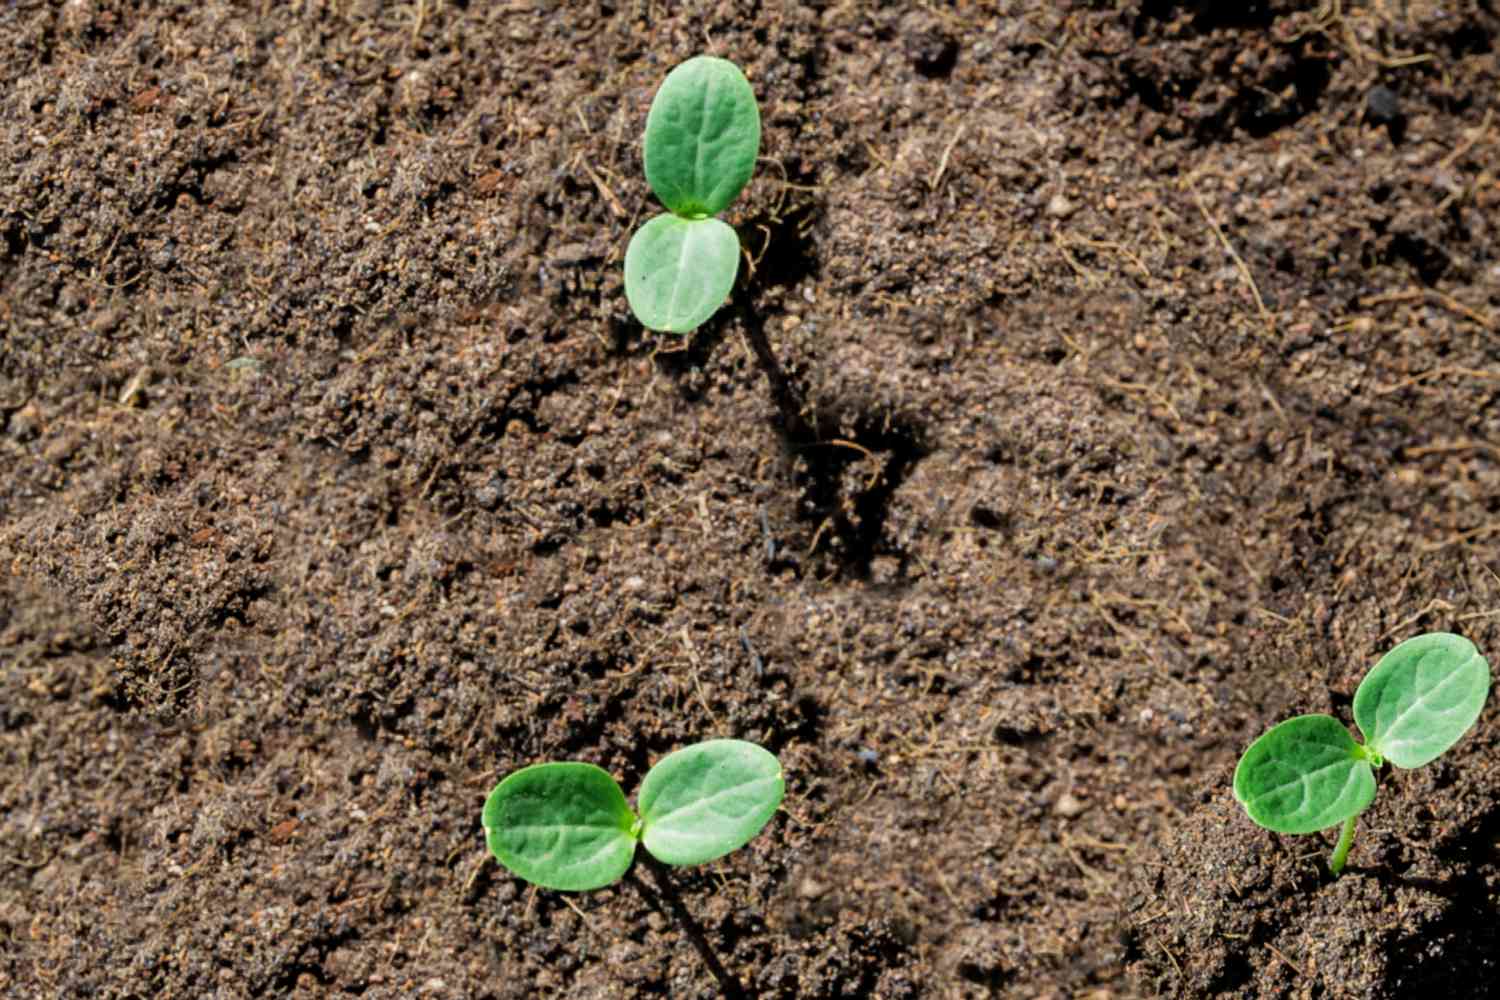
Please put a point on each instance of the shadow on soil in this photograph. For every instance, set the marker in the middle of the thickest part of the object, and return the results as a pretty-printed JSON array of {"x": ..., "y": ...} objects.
[{"x": 1459, "y": 949}]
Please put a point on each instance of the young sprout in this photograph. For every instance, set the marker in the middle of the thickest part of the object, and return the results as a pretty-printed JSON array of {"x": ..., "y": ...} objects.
[
  {"x": 567, "y": 825},
  {"x": 1308, "y": 773},
  {"x": 702, "y": 137}
]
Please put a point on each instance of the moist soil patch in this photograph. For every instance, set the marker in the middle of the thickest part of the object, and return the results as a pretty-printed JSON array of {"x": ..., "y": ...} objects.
[{"x": 1104, "y": 383}]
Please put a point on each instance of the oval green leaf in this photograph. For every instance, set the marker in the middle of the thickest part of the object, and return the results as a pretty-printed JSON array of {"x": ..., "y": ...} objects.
[
  {"x": 561, "y": 826},
  {"x": 702, "y": 137},
  {"x": 678, "y": 272},
  {"x": 1304, "y": 775},
  {"x": 706, "y": 800},
  {"x": 1422, "y": 697}
]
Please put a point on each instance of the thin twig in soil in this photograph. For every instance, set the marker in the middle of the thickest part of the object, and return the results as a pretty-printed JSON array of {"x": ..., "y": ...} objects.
[
  {"x": 1447, "y": 162},
  {"x": 1431, "y": 295},
  {"x": 1436, "y": 604},
  {"x": 1447, "y": 447},
  {"x": 1170, "y": 957},
  {"x": 1239, "y": 263},
  {"x": 1431, "y": 373},
  {"x": 942, "y": 167},
  {"x": 1464, "y": 536},
  {"x": 1287, "y": 961},
  {"x": 692, "y": 654}
]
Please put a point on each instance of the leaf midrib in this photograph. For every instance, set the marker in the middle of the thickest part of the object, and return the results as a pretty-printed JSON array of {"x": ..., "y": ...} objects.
[
  {"x": 1386, "y": 743},
  {"x": 1305, "y": 777},
  {"x": 705, "y": 801}
]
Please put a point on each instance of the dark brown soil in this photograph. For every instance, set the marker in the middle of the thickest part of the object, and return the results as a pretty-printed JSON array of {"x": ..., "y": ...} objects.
[{"x": 1137, "y": 384}]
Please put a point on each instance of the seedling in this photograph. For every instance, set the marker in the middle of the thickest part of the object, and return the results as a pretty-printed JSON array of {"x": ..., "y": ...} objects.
[
  {"x": 702, "y": 137},
  {"x": 1308, "y": 773},
  {"x": 567, "y": 825}
]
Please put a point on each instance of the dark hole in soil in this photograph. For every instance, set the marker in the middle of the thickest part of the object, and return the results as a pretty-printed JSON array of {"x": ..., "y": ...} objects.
[
  {"x": 1469, "y": 40},
  {"x": 933, "y": 56},
  {"x": 806, "y": 726},
  {"x": 368, "y": 722},
  {"x": 990, "y": 520},
  {"x": 1012, "y": 736},
  {"x": 15, "y": 240},
  {"x": 988, "y": 976},
  {"x": 1262, "y": 110},
  {"x": 364, "y": 724},
  {"x": 1236, "y": 972},
  {"x": 1146, "y": 90},
  {"x": 1428, "y": 261},
  {"x": 116, "y": 700}
]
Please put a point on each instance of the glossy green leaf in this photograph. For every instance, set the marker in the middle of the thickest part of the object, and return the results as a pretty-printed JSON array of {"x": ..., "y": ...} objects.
[
  {"x": 702, "y": 137},
  {"x": 562, "y": 826},
  {"x": 704, "y": 801},
  {"x": 1304, "y": 775},
  {"x": 1422, "y": 697},
  {"x": 678, "y": 272}
]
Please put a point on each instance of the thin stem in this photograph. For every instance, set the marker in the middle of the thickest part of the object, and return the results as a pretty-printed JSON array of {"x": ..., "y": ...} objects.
[
  {"x": 1341, "y": 849},
  {"x": 727, "y": 983}
]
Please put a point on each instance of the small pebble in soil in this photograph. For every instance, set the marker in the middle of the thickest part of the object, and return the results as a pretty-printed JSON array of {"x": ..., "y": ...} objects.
[
  {"x": 1383, "y": 105},
  {"x": 1069, "y": 805},
  {"x": 25, "y": 425},
  {"x": 488, "y": 496},
  {"x": 811, "y": 888}
]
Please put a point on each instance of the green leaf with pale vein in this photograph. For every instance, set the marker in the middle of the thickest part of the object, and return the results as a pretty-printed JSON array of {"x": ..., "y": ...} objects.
[
  {"x": 1422, "y": 697},
  {"x": 706, "y": 800},
  {"x": 678, "y": 272},
  {"x": 702, "y": 137},
  {"x": 561, "y": 826},
  {"x": 1304, "y": 775}
]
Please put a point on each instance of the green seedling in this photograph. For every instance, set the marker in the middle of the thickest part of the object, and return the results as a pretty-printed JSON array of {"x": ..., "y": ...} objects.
[
  {"x": 1307, "y": 774},
  {"x": 702, "y": 137},
  {"x": 567, "y": 825}
]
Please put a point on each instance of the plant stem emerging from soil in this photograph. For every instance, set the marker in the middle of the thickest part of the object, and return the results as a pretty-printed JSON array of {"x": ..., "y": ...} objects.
[
  {"x": 727, "y": 983},
  {"x": 1341, "y": 849}
]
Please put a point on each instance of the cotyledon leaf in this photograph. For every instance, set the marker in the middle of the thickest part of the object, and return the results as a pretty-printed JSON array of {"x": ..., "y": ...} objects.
[
  {"x": 1304, "y": 775},
  {"x": 678, "y": 272},
  {"x": 1422, "y": 697},
  {"x": 561, "y": 826},
  {"x": 706, "y": 800},
  {"x": 702, "y": 137}
]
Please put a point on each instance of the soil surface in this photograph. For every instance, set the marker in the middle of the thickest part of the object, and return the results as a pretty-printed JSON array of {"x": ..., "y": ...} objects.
[{"x": 1106, "y": 382}]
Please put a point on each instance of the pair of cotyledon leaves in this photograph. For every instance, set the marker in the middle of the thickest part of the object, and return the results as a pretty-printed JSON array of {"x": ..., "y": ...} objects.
[
  {"x": 1308, "y": 773},
  {"x": 567, "y": 825},
  {"x": 702, "y": 137}
]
